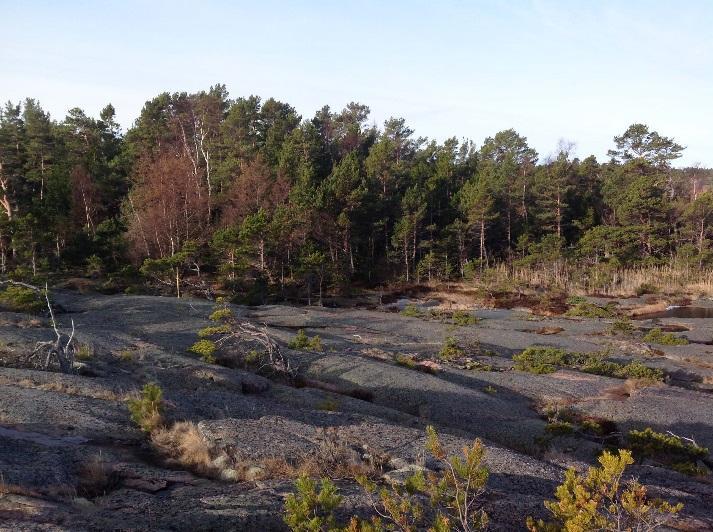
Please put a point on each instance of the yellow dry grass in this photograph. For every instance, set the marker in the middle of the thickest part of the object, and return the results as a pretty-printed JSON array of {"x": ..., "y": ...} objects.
[
  {"x": 66, "y": 388},
  {"x": 184, "y": 444},
  {"x": 622, "y": 282}
]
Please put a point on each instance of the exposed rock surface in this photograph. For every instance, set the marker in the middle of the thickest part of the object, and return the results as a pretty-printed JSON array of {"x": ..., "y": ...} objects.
[{"x": 53, "y": 426}]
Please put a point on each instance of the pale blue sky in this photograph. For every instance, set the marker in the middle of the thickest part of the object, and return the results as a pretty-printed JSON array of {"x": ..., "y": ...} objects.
[{"x": 578, "y": 70}]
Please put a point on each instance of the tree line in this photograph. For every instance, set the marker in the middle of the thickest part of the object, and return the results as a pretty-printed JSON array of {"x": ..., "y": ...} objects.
[{"x": 205, "y": 190}]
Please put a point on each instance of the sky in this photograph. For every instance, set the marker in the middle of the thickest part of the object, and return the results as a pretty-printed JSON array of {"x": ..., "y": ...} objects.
[{"x": 581, "y": 71}]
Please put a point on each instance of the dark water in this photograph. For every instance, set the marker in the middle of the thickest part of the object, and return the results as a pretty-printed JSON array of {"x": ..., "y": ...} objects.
[{"x": 680, "y": 312}]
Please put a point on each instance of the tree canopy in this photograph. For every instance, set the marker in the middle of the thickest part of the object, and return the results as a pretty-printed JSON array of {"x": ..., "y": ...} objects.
[{"x": 248, "y": 195}]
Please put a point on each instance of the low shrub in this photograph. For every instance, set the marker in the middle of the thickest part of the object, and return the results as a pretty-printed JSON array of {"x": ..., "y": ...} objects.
[
  {"x": 641, "y": 372},
  {"x": 477, "y": 365},
  {"x": 328, "y": 404},
  {"x": 411, "y": 311},
  {"x": 147, "y": 409},
  {"x": 667, "y": 449},
  {"x": 126, "y": 355},
  {"x": 543, "y": 360},
  {"x": 22, "y": 299},
  {"x": 646, "y": 288},
  {"x": 221, "y": 313},
  {"x": 407, "y": 361},
  {"x": 302, "y": 342},
  {"x": 490, "y": 389},
  {"x": 657, "y": 336},
  {"x": 632, "y": 370},
  {"x": 463, "y": 318},
  {"x": 205, "y": 349},
  {"x": 206, "y": 332},
  {"x": 622, "y": 326},
  {"x": 560, "y": 428},
  {"x": 453, "y": 494},
  {"x": 576, "y": 300},
  {"x": 590, "y": 310},
  {"x": 540, "y": 360},
  {"x": 450, "y": 350},
  {"x": 601, "y": 500}
]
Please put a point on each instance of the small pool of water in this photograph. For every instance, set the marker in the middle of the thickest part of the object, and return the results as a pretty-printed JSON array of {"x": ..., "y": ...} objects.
[{"x": 679, "y": 312}]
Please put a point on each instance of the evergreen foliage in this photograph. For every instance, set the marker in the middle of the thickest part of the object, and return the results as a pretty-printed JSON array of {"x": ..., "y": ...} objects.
[
  {"x": 146, "y": 410},
  {"x": 246, "y": 195},
  {"x": 603, "y": 500}
]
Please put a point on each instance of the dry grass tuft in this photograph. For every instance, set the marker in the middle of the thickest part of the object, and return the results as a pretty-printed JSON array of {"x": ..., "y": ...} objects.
[
  {"x": 184, "y": 444},
  {"x": 333, "y": 458},
  {"x": 620, "y": 282},
  {"x": 97, "y": 478},
  {"x": 374, "y": 352},
  {"x": 629, "y": 388},
  {"x": 66, "y": 388},
  {"x": 15, "y": 489}
]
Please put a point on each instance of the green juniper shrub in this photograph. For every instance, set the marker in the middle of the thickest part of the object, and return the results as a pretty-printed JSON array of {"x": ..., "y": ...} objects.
[
  {"x": 591, "y": 426},
  {"x": 315, "y": 343},
  {"x": 437, "y": 314},
  {"x": 668, "y": 449},
  {"x": 543, "y": 360},
  {"x": 632, "y": 370},
  {"x": 126, "y": 355},
  {"x": 22, "y": 299},
  {"x": 637, "y": 370},
  {"x": 328, "y": 404},
  {"x": 540, "y": 360},
  {"x": 147, "y": 409},
  {"x": 657, "y": 336},
  {"x": 300, "y": 341}
]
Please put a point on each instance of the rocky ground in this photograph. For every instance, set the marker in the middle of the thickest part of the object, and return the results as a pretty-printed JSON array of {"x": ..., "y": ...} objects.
[{"x": 71, "y": 459}]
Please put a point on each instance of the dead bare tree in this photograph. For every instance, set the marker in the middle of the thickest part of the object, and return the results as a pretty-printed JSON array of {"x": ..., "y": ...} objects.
[{"x": 62, "y": 348}]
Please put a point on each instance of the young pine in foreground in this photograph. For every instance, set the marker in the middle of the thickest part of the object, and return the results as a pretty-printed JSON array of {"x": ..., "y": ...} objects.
[
  {"x": 449, "y": 500},
  {"x": 147, "y": 409},
  {"x": 602, "y": 500},
  {"x": 452, "y": 496}
]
